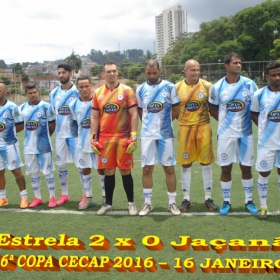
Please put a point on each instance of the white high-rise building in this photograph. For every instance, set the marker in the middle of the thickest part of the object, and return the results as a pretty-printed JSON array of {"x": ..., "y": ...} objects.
[{"x": 170, "y": 23}]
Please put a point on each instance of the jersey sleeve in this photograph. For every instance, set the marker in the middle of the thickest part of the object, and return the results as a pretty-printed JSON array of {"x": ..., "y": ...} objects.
[
  {"x": 51, "y": 114},
  {"x": 139, "y": 101},
  {"x": 255, "y": 105},
  {"x": 17, "y": 115},
  {"x": 174, "y": 96},
  {"x": 214, "y": 96},
  {"x": 131, "y": 98}
]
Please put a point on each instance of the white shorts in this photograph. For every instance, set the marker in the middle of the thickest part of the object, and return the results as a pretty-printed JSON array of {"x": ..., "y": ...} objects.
[
  {"x": 10, "y": 157},
  {"x": 157, "y": 151},
  {"x": 87, "y": 160},
  {"x": 37, "y": 163},
  {"x": 239, "y": 150},
  {"x": 267, "y": 159},
  {"x": 65, "y": 149}
]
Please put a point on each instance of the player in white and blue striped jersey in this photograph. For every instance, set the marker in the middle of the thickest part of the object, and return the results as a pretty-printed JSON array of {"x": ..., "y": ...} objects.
[
  {"x": 11, "y": 121},
  {"x": 66, "y": 130},
  {"x": 265, "y": 111},
  {"x": 158, "y": 105},
  {"x": 229, "y": 103},
  {"x": 86, "y": 158},
  {"x": 39, "y": 125}
]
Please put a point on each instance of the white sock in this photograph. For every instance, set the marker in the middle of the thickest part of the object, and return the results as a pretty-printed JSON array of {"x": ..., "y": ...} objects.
[
  {"x": 148, "y": 195},
  {"x": 50, "y": 184},
  {"x": 226, "y": 188},
  {"x": 3, "y": 194},
  {"x": 101, "y": 180},
  {"x": 63, "y": 179},
  {"x": 23, "y": 193},
  {"x": 248, "y": 189},
  {"x": 81, "y": 179},
  {"x": 207, "y": 180},
  {"x": 172, "y": 197},
  {"x": 186, "y": 182},
  {"x": 262, "y": 190},
  {"x": 35, "y": 184},
  {"x": 87, "y": 183}
]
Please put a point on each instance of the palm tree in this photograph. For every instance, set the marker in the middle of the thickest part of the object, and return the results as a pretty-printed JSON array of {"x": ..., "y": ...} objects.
[{"x": 74, "y": 60}]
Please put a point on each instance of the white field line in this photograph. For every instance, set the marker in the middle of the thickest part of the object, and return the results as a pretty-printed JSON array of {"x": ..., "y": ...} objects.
[{"x": 112, "y": 213}]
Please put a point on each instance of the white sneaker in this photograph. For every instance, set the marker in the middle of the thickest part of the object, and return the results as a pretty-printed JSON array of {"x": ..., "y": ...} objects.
[
  {"x": 104, "y": 209},
  {"x": 174, "y": 209},
  {"x": 87, "y": 203},
  {"x": 147, "y": 208},
  {"x": 132, "y": 209}
]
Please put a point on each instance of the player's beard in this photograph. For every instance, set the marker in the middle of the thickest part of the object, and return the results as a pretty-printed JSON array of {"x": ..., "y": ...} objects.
[{"x": 65, "y": 80}]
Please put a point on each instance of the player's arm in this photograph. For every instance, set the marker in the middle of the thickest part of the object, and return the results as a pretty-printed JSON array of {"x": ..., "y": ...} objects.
[
  {"x": 175, "y": 111},
  {"x": 133, "y": 118},
  {"x": 214, "y": 111},
  {"x": 131, "y": 143},
  {"x": 51, "y": 127},
  {"x": 255, "y": 117},
  {"x": 94, "y": 121},
  {"x": 19, "y": 126},
  {"x": 140, "y": 113}
]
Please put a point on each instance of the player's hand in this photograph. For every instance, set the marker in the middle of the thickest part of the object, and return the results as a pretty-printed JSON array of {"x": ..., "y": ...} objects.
[
  {"x": 131, "y": 143},
  {"x": 96, "y": 147}
]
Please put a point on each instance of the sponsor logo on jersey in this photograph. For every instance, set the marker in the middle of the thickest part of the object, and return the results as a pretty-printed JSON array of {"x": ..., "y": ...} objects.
[
  {"x": 64, "y": 110},
  {"x": 85, "y": 123},
  {"x": 193, "y": 106},
  {"x": 274, "y": 116},
  {"x": 111, "y": 108},
  {"x": 235, "y": 106},
  {"x": 154, "y": 107},
  {"x": 31, "y": 125},
  {"x": 2, "y": 127}
]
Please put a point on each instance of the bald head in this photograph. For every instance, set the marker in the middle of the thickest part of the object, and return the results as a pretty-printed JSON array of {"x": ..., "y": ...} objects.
[
  {"x": 152, "y": 63},
  {"x": 192, "y": 71}
]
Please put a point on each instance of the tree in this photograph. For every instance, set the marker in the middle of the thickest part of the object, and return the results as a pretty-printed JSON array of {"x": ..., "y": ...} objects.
[
  {"x": 275, "y": 53},
  {"x": 74, "y": 60}
]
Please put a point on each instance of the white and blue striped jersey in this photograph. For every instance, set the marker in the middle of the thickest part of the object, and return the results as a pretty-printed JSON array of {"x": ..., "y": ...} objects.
[
  {"x": 60, "y": 100},
  {"x": 36, "y": 127},
  {"x": 81, "y": 111},
  {"x": 156, "y": 103},
  {"x": 234, "y": 101},
  {"x": 267, "y": 103},
  {"x": 10, "y": 114}
]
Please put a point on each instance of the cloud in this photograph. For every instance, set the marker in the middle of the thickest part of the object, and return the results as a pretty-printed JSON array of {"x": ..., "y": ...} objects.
[{"x": 35, "y": 30}]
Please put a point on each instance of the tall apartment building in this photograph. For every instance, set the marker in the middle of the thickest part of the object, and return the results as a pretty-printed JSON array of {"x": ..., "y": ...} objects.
[{"x": 170, "y": 23}]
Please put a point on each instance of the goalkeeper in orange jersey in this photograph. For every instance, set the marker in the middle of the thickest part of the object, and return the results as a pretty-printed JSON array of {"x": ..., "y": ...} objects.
[{"x": 114, "y": 115}]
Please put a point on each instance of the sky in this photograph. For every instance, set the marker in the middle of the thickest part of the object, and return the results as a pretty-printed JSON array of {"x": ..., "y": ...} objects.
[{"x": 39, "y": 30}]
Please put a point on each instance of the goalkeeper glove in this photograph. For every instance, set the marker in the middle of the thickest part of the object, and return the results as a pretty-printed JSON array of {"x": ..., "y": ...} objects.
[
  {"x": 131, "y": 143},
  {"x": 96, "y": 147}
]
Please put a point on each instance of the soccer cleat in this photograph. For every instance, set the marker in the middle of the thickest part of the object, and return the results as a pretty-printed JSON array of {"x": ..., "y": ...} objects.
[
  {"x": 63, "y": 199},
  {"x": 87, "y": 203},
  {"x": 3, "y": 202},
  {"x": 185, "y": 205},
  {"x": 104, "y": 209},
  {"x": 36, "y": 202},
  {"x": 209, "y": 203},
  {"x": 225, "y": 208},
  {"x": 147, "y": 208},
  {"x": 52, "y": 202},
  {"x": 174, "y": 209},
  {"x": 132, "y": 209},
  {"x": 24, "y": 202},
  {"x": 251, "y": 207},
  {"x": 83, "y": 200},
  {"x": 262, "y": 214}
]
